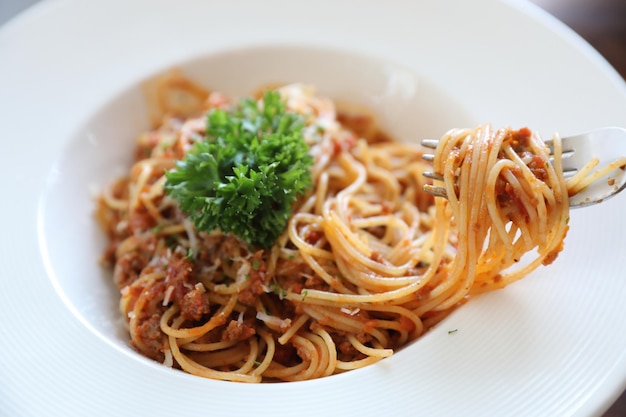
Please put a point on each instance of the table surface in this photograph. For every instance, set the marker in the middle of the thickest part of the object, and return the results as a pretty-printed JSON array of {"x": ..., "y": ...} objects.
[{"x": 601, "y": 22}]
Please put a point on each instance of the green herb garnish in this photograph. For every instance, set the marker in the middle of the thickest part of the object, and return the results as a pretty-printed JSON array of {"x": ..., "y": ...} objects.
[
  {"x": 247, "y": 173},
  {"x": 256, "y": 264},
  {"x": 275, "y": 288}
]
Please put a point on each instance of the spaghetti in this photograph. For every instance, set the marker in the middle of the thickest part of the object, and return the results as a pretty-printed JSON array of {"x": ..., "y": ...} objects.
[{"x": 367, "y": 263}]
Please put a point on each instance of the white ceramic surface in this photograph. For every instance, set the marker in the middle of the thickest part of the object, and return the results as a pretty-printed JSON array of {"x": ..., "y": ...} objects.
[{"x": 70, "y": 107}]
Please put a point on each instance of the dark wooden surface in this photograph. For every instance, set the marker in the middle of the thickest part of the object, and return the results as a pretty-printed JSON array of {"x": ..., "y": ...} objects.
[{"x": 603, "y": 24}]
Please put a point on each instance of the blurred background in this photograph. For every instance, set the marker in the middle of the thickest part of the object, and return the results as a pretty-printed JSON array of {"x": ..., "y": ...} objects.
[{"x": 601, "y": 22}]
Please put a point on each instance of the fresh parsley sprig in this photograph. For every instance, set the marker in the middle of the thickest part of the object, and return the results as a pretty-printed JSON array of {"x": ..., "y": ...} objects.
[{"x": 247, "y": 173}]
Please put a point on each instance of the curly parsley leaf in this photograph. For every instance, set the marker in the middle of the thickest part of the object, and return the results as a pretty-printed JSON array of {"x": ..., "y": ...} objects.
[{"x": 247, "y": 173}]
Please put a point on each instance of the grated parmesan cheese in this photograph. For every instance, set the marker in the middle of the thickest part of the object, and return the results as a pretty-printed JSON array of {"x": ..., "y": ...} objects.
[
  {"x": 168, "y": 295},
  {"x": 350, "y": 312}
]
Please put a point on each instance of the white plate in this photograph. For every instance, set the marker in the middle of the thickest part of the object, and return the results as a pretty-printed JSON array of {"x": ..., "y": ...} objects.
[{"x": 551, "y": 344}]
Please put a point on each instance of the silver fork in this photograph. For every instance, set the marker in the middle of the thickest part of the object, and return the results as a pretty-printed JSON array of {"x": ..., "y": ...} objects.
[{"x": 607, "y": 144}]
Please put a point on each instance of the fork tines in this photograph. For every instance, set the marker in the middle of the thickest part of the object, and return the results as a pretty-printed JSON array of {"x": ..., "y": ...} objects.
[
  {"x": 429, "y": 157},
  {"x": 441, "y": 192},
  {"x": 436, "y": 191}
]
